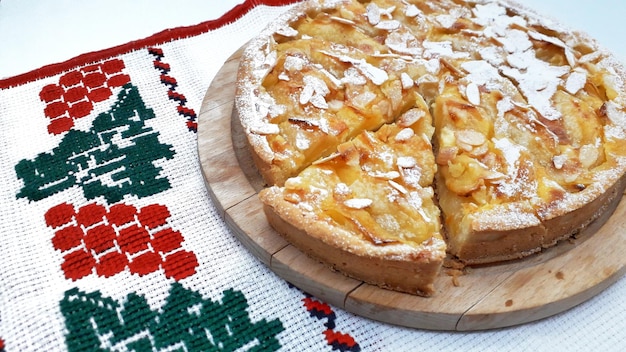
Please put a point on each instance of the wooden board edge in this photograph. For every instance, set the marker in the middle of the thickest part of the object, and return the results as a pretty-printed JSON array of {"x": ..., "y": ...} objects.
[
  {"x": 313, "y": 277},
  {"x": 253, "y": 232},
  {"x": 221, "y": 170}
]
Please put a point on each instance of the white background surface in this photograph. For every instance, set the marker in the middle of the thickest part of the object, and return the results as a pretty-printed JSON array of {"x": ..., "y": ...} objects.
[{"x": 34, "y": 33}]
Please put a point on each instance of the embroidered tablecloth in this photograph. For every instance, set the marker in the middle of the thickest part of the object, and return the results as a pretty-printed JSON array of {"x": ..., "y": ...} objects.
[{"x": 110, "y": 242}]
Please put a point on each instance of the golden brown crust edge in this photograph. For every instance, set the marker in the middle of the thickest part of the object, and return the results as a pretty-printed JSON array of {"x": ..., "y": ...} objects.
[
  {"x": 409, "y": 269},
  {"x": 493, "y": 246}
]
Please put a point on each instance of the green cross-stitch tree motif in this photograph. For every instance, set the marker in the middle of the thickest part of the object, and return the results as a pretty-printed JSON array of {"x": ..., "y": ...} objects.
[
  {"x": 114, "y": 158},
  {"x": 186, "y": 322}
]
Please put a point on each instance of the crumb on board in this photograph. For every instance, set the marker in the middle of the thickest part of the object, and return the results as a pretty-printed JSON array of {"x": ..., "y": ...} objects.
[{"x": 455, "y": 269}]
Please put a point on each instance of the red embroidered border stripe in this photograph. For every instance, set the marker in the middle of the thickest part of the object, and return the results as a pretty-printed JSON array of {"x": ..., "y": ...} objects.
[{"x": 165, "y": 36}]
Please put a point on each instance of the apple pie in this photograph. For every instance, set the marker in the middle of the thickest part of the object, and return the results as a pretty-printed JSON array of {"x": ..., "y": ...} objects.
[{"x": 394, "y": 133}]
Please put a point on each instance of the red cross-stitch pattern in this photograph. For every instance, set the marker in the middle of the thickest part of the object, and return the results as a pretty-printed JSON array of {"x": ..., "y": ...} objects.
[
  {"x": 111, "y": 240},
  {"x": 73, "y": 97},
  {"x": 338, "y": 340},
  {"x": 172, "y": 94}
]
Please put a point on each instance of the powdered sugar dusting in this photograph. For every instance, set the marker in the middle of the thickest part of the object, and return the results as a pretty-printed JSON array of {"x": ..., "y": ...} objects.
[
  {"x": 500, "y": 63},
  {"x": 511, "y": 153}
]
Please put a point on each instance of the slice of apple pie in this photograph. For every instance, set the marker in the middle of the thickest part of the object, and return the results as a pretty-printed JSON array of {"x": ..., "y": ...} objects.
[{"x": 367, "y": 210}]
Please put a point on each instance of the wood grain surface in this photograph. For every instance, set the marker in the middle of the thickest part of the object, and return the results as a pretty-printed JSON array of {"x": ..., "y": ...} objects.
[{"x": 486, "y": 297}]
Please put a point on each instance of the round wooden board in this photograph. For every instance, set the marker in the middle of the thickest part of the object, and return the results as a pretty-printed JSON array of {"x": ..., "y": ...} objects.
[{"x": 485, "y": 298}]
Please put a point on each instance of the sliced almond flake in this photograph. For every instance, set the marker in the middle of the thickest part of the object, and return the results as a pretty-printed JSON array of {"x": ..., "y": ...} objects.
[
  {"x": 403, "y": 48},
  {"x": 354, "y": 77},
  {"x": 442, "y": 49},
  {"x": 614, "y": 132},
  {"x": 494, "y": 175},
  {"x": 446, "y": 20},
  {"x": 268, "y": 62},
  {"x": 575, "y": 82},
  {"x": 363, "y": 99},
  {"x": 428, "y": 79},
  {"x": 265, "y": 129},
  {"x": 342, "y": 20},
  {"x": 406, "y": 162},
  {"x": 464, "y": 146},
  {"x": 376, "y": 75},
  {"x": 385, "y": 175},
  {"x": 407, "y": 81},
  {"x": 335, "y": 104},
  {"x": 424, "y": 215},
  {"x": 470, "y": 137},
  {"x": 412, "y": 11},
  {"x": 306, "y": 94},
  {"x": 480, "y": 150},
  {"x": 388, "y": 25},
  {"x": 358, "y": 203},
  {"x": 515, "y": 41},
  {"x": 373, "y": 73},
  {"x": 472, "y": 93},
  {"x": 592, "y": 57},
  {"x": 325, "y": 159},
  {"x": 572, "y": 176},
  {"x": 287, "y": 31},
  {"x": 404, "y": 42},
  {"x": 404, "y": 135},
  {"x": 410, "y": 117},
  {"x": 373, "y": 13},
  {"x": 398, "y": 187},
  {"x": 570, "y": 56},
  {"x": 319, "y": 102},
  {"x": 264, "y": 104}
]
